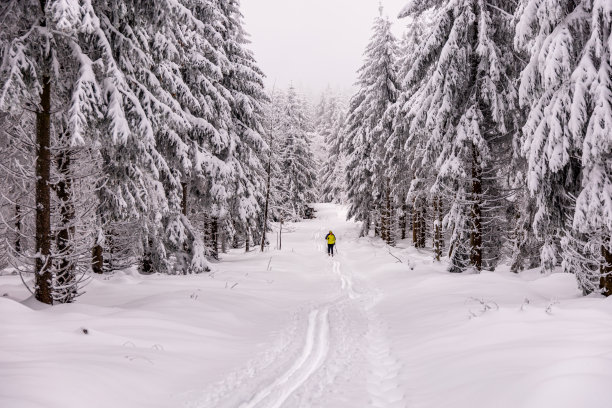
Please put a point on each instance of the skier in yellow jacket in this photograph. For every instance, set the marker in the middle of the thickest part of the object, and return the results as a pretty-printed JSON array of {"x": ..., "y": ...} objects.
[{"x": 331, "y": 241}]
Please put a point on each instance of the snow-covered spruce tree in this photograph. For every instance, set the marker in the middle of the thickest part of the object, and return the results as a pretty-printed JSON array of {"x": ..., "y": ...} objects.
[
  {"x": 466, "y": 106},
  {"x": 367, "y": 133},
  {"x": 244, "y": 80},
  {"x": 173, "y": 54},
  {"x": 56, "y": 54},
  {"x": 271, "y": 115},
  {"x": 332, "y": 174},
  {"x": 298, "y": 167},
  {"x": 404, "y": 150},
  {"x": 275, "y": 195},
  {"x": 567, "y": 90}
]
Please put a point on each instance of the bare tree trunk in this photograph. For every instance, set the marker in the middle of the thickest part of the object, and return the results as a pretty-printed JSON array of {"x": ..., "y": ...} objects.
[
  {"x": 404, "y": 220},
  {"x": 437, "y": 229},
  {"x": 109, "y": 262},
  {"x": 214, "y": 237},
  {"x": 66, "y": 273},
  {"x": 440, "y": 223},
  {"x": 247, "y": 241},
  {"x": 377, "y": 226},
  {"x": 384, "y": 220},
  {"x": 606, "y": 270},
  {"x": 264, "y": 228},
  {"x": 415, "y": 224},
  {"x": 43, "y": 290},
  {"x": 476, "y": 233},
  {"x": 280, "y": 235},
  {"x": 184, "y": 198},
  {"x": 389, "y": 215},
  {"x": 18, "y": 220},
  {"x": 97, "y": 258},
  {"x": 423, "y": 225}
]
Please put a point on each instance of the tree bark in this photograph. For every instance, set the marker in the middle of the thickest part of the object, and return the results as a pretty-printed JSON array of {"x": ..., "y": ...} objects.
[
  {"x": 214, "y": 237},
  {"x": 376, "y": 226},
  {"x": 184, "y": 199},
  {"x": 415, "y": 224},
  {"x": 66, "y": 272},
  {"x": 264, "y": 228},
  {"x": 18, "y": 220},
  {"x": 280, "y": 235},
  {"x": 423, "y": 226},
  {"x": 606, "y": 271},
  {"x": 97, "y": 258},
  {"x": 389, "y": 214},
  {"x": 247, "y": 241},
  {"x": 476, "y": 233},
  {"x": 43, "y": 289},
  {"x": 403, "y": 220},
  {"x": 440, "y": 221},
  {"x": 437, "y": 229}
]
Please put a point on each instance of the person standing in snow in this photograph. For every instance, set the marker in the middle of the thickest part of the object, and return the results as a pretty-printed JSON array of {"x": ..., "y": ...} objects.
[{"x": 331, "y": 241}]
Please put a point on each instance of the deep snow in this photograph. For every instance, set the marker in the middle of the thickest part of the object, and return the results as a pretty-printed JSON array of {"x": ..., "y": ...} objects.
[{"x": 294, "y": 328}]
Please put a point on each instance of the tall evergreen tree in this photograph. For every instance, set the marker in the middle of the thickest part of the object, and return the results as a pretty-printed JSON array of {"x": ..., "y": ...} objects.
[
  {"x": 566, "y": 90},
  {"x": 299, "y": 172},
  {"x": 367, "y": 133},
  {"x": 467, "y": 107},
  {"x": 332, "y": 174},
  {"x": 244, "y": 80}
]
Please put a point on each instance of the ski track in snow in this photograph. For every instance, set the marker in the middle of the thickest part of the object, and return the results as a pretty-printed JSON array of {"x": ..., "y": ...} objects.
[
  {"x": 315, "y": 350},
  {"x": 344, "y": 352}
]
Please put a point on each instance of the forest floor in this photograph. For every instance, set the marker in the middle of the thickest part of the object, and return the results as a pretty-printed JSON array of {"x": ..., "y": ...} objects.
[{"x": 371, "y": 327}]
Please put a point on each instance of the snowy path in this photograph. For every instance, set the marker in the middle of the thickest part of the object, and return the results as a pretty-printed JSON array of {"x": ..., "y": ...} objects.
[
  {"x": 298, "y": 329},
  {"x": 344, "y": 350}
]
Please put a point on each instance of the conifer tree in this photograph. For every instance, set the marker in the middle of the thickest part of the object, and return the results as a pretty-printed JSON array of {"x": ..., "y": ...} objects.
[
  {"x": 244, "y": 80},
  {"x": 298, "y": 167},
  {"x": 332, "y": 175},
  {"x": 367, "y": 133},
  {"x": 565, "y": 89},
  {"x": 57, "y": 54},
  {"x": 466, "y": 107}
]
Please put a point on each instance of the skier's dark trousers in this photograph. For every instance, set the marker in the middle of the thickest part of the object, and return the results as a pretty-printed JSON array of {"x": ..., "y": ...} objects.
[{"x": 331, "y": 241}]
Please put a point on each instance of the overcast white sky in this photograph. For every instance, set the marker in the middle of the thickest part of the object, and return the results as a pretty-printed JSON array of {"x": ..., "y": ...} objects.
[{"x": 313, "y": 43}]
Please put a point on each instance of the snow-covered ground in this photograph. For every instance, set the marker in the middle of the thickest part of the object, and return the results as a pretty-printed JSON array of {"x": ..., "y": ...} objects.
[{"x": 294, "y": 328}]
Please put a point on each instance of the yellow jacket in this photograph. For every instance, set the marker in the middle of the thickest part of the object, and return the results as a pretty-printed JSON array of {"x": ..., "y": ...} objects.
[{"x": 331, "y": 239}]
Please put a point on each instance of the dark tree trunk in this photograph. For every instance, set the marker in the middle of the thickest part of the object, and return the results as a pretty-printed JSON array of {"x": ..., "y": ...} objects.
[
  {"x": 404, "y": 220},
  {"x": 440, "y": 220},
  {"x": 476, "y": 233},
  {"x": 423, "y": 225},
  {"x": 437, "y": 229},
  {"x": 43, "y": 290},
  {"x": 214, "y": 237},
  {"x": 415, "y": 224},
  {"x": 18, "y": 220},
  {"x": 606, "y": 270},
  {"x": 264, "y": 228},
  {"x": 66, "y": 267},
  {"x": 384, "y": 221},
  {"x": 389, "y": 216},
  {"x": 110, "y": 261},
  {"x": 376, "y": 226},
  {"x": 97, "y": 259},
  {"x": 247, "y": 241},
  {"x": 280, "y": 235},
  {"x": 147, "y": 258},
  {"x": 184, "y": 199}
]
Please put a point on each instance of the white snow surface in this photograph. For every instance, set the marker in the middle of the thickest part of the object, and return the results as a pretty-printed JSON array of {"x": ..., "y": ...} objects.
[{"x": 295, "y": 328}]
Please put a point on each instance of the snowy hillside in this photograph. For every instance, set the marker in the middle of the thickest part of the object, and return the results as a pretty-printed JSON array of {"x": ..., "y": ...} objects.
[{"x": 296, "y": 328}]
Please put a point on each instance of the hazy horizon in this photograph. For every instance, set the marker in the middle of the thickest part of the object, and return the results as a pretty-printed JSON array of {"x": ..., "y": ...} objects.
[{"x": 321, "y": 44}]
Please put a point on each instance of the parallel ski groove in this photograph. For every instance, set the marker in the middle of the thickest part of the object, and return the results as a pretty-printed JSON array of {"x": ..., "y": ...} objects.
[{"x": 313, "y": 355}]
